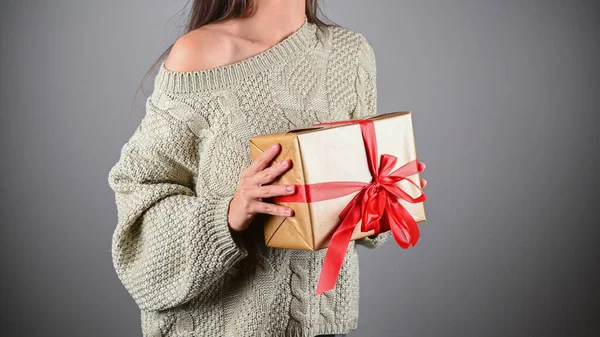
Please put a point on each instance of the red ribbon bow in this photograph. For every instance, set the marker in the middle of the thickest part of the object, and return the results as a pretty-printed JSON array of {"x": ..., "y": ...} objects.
[{"x": 376, "y": 204}]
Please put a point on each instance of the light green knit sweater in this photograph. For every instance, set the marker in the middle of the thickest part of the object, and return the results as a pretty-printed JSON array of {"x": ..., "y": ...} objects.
[{"x": 172, "y": 248}]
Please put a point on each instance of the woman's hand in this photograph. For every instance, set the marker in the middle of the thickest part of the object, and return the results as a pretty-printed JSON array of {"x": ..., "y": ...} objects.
[{"x": 247, "y": 201}]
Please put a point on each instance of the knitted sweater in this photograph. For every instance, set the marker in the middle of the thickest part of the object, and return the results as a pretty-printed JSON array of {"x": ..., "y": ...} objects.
[{"x": 172, "y": 248}]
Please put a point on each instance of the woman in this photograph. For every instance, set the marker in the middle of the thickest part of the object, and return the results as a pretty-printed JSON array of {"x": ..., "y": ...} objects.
[{"x": 188, "y": 245}]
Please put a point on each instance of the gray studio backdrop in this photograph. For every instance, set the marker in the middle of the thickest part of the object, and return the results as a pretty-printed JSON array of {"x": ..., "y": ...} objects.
[{"x": 505, "y": 97}]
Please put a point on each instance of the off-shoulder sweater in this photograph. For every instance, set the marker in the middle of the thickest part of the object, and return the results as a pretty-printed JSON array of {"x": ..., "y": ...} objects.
[{"x": 172, "y": 248}]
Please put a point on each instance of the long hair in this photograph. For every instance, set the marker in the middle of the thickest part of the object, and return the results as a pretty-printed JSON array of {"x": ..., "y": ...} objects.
[{"x": 203, "y": 12}]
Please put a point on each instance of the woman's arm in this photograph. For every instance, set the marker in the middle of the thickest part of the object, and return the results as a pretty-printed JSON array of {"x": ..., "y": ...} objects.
[
  {"x": 170, "y": 243},
  {"x": 366, "y": 89}
]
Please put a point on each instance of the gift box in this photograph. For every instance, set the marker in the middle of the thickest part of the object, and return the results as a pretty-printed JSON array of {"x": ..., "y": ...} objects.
[
  {"x": 327, "y": 153},
  {"x": 353, "y": 178}
]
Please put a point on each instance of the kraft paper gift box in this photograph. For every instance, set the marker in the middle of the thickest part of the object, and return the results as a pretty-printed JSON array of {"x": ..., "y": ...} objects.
[{"x": 330, "y": 153}]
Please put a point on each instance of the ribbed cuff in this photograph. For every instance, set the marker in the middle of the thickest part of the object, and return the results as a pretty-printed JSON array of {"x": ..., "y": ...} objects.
[{"x": 229, "y": 248}]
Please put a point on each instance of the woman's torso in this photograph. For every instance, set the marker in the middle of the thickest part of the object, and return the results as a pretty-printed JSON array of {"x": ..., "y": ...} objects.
[{"x": 270, "y": 292}]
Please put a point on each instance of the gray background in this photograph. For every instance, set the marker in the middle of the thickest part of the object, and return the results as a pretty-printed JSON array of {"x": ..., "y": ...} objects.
[{"x": 505, "y": 96}]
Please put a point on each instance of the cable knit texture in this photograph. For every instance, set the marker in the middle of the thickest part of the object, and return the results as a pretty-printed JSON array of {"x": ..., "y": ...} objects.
[{"x": 177, "y": 173}]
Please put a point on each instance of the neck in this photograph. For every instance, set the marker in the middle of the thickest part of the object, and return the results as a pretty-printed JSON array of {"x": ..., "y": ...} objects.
[{"x": 272, "y": 20}]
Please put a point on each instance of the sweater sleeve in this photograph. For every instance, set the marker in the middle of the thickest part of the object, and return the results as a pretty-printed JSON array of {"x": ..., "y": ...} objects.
[
  {"x": 171, "y": 241},
  {"x": 366, "y": 105}
]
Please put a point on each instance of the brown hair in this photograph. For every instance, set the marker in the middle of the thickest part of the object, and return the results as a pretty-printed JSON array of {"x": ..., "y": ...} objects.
[{"x": 208, "y": 11}]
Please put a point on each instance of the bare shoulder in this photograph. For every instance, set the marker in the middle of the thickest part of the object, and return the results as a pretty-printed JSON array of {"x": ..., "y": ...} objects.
[{"x": 203, "y": 48}]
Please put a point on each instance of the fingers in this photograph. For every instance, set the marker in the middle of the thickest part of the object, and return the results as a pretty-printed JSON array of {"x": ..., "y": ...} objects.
[
  {"x": 262, "y": 161},
  {"x": 271, "y": 173},
  {"x": 254, "y": 184},
  {"x": 268, "y": 191},
  {"x": 268, "y": 208}
]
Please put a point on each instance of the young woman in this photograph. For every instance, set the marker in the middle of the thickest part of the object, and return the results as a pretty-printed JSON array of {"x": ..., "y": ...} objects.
[{"x": 189, "y": 245}]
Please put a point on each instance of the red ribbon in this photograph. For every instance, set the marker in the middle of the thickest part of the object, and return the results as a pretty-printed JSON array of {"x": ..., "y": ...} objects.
[{"x": 376, "y": 204}]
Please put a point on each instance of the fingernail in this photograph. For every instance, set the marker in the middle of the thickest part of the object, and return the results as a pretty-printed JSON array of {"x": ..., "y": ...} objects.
[
  {"x": 283, "y": 163},
  {"x": 290, "y": 188},
  {"x": 288, "y": 211},
  {"x": 273, "y": 147}
]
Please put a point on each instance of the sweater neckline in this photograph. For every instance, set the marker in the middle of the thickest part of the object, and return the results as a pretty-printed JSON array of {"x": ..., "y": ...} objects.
[{"x": 219, "y": 77}]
